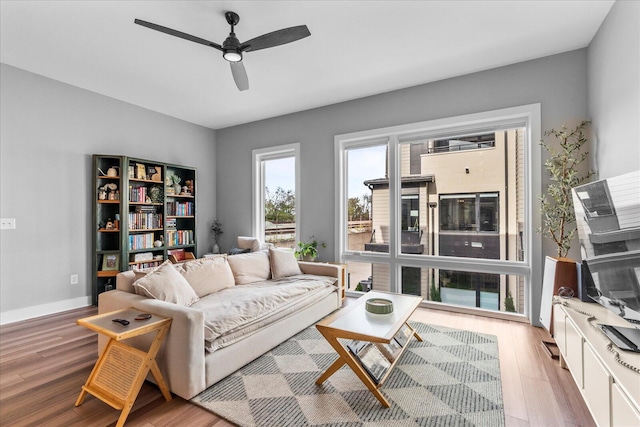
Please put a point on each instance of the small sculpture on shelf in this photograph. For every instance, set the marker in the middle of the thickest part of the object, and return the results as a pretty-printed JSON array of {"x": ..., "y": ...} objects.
[
  {"x": 173, "y": 183},
  {"x": 109, "y": 192},
  {"x": 189, "y": 184}
]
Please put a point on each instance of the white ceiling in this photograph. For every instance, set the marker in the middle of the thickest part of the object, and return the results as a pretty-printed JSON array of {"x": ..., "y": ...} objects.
[{"x": 356, "y": 48}]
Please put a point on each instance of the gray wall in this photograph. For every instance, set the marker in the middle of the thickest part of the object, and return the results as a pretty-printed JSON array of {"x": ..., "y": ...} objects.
[
  {"x": 558, "y": 82},
  {"x": 49, "y": 130},
  {"x": 614, "y": 91}
]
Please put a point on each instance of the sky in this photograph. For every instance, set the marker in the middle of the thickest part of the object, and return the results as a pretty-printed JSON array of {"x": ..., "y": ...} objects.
[{"x": 363, "y": 164}]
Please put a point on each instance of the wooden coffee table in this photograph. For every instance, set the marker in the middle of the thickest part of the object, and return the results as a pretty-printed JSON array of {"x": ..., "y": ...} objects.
[{"x": 354, "y": 322}]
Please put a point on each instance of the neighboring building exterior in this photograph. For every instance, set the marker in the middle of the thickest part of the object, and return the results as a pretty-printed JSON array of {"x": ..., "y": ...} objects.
[{"x": 461, "y": 197}]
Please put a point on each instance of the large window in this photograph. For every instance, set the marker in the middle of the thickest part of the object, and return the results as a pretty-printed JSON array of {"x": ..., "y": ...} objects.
[
  {"x": 448, "y": 209},
  {"x": 275, "y": 195}
]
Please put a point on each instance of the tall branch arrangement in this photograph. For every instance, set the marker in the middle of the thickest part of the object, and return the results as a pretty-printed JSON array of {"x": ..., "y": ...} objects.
[{"x": 558, "y": 216}]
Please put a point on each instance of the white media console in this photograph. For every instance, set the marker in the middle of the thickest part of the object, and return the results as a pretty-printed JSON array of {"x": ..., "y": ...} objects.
[{"x": 610, "y": 389}]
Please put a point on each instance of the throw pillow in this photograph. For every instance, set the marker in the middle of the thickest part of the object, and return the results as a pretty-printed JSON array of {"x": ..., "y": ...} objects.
[
  {"x": 251, "y": 267},
  {"x": 283, "y": 263},
  {"x": 207, "y": 276},
  {"x": 139, "y": 273},
  {"x": 252, "y": 243},
  {"x": 166, "y": 284}
]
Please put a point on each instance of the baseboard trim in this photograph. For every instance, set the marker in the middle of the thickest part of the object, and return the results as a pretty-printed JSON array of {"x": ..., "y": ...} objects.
[{"x": 43, "y": 309}]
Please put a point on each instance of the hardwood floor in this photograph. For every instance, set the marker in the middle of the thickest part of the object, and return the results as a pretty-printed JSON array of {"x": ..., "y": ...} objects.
[{"x": 45, "y": 361}]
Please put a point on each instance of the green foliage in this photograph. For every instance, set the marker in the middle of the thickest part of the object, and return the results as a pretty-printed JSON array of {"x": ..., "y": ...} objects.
[
  {"x": 508, "y": 304},
  {"x": 434, "y": 293},
  {"x": 359, "y": 208},
  {"x": 358, "y": 288},
  {"x": 309, "y": 250},
  {"x": 280, "y": 206},
  {"x": 173, "y": 178},
  {"x": 558, "y": 217}
]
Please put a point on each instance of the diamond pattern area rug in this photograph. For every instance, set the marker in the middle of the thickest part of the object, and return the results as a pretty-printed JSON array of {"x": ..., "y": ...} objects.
[{"x": 452, "y": 378}]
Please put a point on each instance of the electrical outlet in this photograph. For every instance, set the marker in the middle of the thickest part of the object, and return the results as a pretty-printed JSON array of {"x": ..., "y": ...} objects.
[
  {"x": 74, "y": 279},
  {"x": 7, "y": 223}
]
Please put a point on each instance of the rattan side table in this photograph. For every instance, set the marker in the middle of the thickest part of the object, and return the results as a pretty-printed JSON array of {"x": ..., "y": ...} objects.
[{"x": 118, "y": 375}]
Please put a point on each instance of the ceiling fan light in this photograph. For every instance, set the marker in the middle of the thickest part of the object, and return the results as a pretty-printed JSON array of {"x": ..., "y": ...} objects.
[{"x": 232, "y": 55}]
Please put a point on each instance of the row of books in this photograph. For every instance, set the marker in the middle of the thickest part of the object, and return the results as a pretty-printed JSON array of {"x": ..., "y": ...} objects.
[
  {"x": 180, "y": 209},
  {"x": 137, "y": 194},
  {"x": 179, "y": 237},
  {"x": 377, "y": 358},
  {"x": 141, "y": 241},
  {"x": 171, "y": 224},
  {"x": 144, "y": 220},
  {"x": 144, "y": 265}
]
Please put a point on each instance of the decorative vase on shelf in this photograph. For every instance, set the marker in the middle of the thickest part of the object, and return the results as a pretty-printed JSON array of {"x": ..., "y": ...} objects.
[
  {"x": 216, "y": 248},
  {"x": 177, "y": 188}
]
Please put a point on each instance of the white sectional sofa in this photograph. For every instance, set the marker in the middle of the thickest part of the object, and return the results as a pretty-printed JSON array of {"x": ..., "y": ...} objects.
[{"x": 226, "y": 311}]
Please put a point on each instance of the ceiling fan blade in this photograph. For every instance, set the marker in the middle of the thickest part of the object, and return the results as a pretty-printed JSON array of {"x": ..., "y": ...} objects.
[
  {"x": 276, "y": 38},
  {"x": 178, "y": 34},
  {"x": 239, "y": 75}
]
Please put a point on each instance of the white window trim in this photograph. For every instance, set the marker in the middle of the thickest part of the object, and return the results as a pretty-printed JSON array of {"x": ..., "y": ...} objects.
[
  {"x": 258, "y": 178},
  {"x": 528, "y": 116}
]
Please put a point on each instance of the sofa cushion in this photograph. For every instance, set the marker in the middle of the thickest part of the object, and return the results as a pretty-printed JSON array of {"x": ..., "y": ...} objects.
[
  {"x": 207, "y": 276},
  {"x": 143, "y": 272},
  {"x": 166, "y": 284},
  {"x": 283, "y": 263},
  {"x": 250, "y": 268},
  {"x": 234, "y": 313},
  {"x": 252, "y": 243}
]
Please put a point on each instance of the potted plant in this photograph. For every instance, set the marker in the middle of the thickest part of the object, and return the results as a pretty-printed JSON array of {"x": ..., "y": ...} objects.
[
  {"x": 173, "y": 181},
  {"x": 558, "y": 216},
  {"x": 308, "y": 251},
  {"x": 216, "y": 229}
]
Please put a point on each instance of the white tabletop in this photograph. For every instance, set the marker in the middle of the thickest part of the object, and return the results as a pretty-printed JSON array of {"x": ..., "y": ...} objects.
[{"x": 356, "y": 320}]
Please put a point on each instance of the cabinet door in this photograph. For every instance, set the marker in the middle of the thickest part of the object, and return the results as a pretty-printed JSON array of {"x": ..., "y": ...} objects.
[
  {"x": 559, "y": 333},
  {"x": 597, "y": 384},
  {"x": 574, "y": 352},
  {"x": 623, "y": 413}
]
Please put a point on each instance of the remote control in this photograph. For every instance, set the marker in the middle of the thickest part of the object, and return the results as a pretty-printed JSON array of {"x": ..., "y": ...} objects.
[{"x": 123, "y": 322}]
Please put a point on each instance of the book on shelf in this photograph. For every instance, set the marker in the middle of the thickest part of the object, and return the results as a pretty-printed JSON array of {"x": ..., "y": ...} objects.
[
  {"x": 179, "y": 237},
  {"x": 371, "y": 359},
  {"x": 142, "y": 266},
  {"x": 391, "y": 350},
  {"x": 144, "y": 220},
  {"x": 403, "y": 335},
  {"x": 137, "y": 194},
  {"x": 180, "y": 209},
  {"x": 141, "y": 241}
]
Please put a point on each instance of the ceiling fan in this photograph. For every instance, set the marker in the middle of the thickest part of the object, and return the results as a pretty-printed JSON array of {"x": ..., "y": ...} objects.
[{"x": 232, "y": 49}]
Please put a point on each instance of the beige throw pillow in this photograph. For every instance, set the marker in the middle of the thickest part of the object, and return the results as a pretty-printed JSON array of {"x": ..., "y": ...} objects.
[
  {"x": 251, "y": 267},
  {"x": 166, "y": 284},
  {"x": 252, "y": 243},
  {"x": 207, "y": 276},
  {"x": 283, "y": 263}
]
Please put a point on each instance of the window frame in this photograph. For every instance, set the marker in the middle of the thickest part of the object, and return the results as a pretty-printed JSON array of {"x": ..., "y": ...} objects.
[
  {"x": 527, "y": 117},
  {"x": 259, "y": 156}
]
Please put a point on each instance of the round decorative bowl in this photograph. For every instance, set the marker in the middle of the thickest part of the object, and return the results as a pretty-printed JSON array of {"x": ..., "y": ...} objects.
[{"x": 379, "y": 306}]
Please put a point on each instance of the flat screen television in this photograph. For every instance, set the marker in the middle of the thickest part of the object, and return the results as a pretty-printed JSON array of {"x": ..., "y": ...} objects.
[{"x": 608, "y": 221}]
